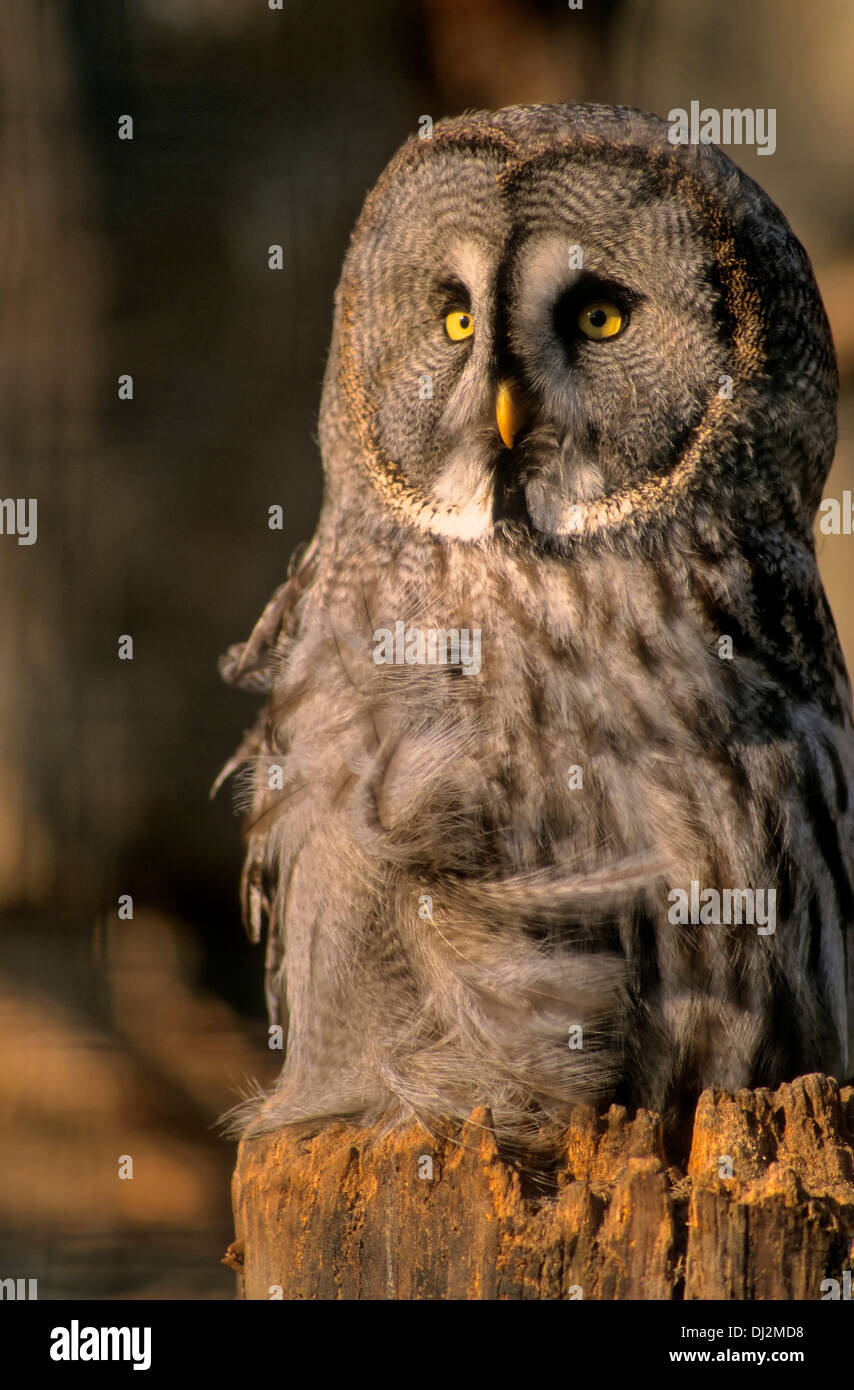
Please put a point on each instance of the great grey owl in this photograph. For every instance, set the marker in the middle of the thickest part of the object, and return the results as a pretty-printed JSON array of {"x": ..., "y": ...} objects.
[{"x": 550, "y": 800}]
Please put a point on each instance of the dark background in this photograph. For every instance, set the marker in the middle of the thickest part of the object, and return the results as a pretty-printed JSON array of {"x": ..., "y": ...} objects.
[{"x": 149, "y": 257}]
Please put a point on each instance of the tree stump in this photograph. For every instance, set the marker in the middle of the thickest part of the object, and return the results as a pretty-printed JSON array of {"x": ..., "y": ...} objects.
[{"x": 349, "y": 1213}]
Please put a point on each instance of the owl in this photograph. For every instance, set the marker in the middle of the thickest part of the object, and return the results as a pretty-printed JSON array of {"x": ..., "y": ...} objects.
[{"x": 550, "y": 800}]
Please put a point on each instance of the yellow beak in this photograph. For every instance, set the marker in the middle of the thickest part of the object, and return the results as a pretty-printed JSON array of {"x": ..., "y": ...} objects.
[{"x": 508, "y": 412}]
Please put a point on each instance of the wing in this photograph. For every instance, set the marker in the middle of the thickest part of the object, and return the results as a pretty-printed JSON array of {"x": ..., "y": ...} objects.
[{"x": 251, "y": 666}]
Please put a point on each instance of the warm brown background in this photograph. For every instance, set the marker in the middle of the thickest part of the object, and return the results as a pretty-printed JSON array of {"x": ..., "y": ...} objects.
[{"x": 251, "y": 127}]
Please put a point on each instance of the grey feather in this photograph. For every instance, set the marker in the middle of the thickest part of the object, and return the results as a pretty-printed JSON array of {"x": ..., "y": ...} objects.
[{"x": 641, "y": 515}]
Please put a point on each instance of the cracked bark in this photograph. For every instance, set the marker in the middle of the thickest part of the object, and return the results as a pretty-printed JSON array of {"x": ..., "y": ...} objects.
[{"x": 342, "y": 1213}]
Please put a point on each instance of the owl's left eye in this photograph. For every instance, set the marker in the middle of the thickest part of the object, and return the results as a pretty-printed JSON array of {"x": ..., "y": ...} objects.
[
  {"x": 459, "y": 324},
  {"x": 601, "y": 319}
]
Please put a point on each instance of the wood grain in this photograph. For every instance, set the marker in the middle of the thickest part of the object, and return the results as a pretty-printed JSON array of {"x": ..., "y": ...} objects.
[{"x": 342, "y": 1213}]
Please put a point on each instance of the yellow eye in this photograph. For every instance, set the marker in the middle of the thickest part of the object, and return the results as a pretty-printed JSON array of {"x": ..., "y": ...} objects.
[
  {"x": 602, "y": 319},
  {"x": 459, "y": 325}
]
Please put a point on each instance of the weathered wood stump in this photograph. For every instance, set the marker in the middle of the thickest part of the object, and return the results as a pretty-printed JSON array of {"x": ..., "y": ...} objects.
[{"x": 349, "y": 1213}]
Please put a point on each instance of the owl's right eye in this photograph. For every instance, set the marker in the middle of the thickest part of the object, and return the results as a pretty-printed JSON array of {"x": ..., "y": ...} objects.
[
  {"x": 601, "y": 319},
  {"x": 459, "y": 324}
]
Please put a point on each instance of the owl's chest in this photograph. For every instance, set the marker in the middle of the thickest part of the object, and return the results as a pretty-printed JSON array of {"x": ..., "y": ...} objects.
[{"x": 531, "y": 707}]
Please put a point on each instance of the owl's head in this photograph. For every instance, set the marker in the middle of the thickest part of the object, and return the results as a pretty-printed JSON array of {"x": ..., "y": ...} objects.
[{"x": 553, "y": 318}]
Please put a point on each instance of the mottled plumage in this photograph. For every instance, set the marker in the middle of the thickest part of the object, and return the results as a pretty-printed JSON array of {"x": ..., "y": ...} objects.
[{"x": 659, "y": 495}]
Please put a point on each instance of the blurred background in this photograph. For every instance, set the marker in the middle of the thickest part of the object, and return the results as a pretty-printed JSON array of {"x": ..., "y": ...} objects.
[{"x": 252, "y": 126}]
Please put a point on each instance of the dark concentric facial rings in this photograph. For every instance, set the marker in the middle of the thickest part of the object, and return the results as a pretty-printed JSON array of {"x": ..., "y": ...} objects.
[{"x": 603, "y": 307}]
